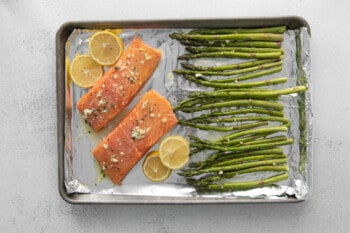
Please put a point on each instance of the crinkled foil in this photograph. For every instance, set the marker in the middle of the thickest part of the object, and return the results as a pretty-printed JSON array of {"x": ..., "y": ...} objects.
[{"x": 83, "y": 175}]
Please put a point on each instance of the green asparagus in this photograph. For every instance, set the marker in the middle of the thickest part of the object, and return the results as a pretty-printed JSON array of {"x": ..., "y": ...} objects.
[
  {"x": 247, "y": 94},
  {"x": 223, "y": 156},
  {"x": 248, "y": 111},
  {"x": 230, "y": 66},
  {"x": 239, "y": 112},
  {"x": 230, "y": 43},
  {"x": 231, "y": 54},
  {"x": 205, "y": 181},
  {"x": 235, "y": 167},
  {"x": 239, "y": 78},
  {"x": 248, "y": 158},
  {"x": 234, "y": 186},
  {"x": 236, "y": 85},
  {"x": 270, "y": 129},
  {"x": 232, "y": 49},
  {"x": 276, "y": 29},
  {"x": 235, "y": 103},
  {"x": 233, "y": 72},
  {"x": 244, "y": 147},
  {"x": 222, "y": 128},
  {"x": 224, "y": 37},
  {"x": 285, "y": 121}
]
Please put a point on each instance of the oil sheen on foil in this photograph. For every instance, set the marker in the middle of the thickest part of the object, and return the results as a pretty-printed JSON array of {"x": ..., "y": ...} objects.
[{"x": 83, "y": 175}]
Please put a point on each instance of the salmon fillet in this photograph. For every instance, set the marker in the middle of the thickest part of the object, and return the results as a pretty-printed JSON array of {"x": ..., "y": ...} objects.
[
  {"x": 115, "y": 90},
  {"x": 150, "y": 119}
]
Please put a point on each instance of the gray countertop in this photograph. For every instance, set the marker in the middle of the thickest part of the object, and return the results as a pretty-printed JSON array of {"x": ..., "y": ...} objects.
[{"x": 29, "y": 198}]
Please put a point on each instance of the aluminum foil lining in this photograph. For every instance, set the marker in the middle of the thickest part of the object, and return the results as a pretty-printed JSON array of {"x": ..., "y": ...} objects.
[{"x": 83, "y": 175}]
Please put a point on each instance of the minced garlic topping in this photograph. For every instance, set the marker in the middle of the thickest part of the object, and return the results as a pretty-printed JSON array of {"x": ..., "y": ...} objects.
[
  {"x": 87, "y": 112},
  {"x": 114, "y": 159},
  {"x": 99, "y": 93},
  {"x": 138, "y": 133},
  {"x": 147, "y": 56},
  {"x": 102, "y": 102},
  {"x": 144, "y": 104}
]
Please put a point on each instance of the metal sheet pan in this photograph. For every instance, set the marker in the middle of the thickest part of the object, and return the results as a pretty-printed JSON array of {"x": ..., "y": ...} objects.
[{"x": 292, "y": 22}]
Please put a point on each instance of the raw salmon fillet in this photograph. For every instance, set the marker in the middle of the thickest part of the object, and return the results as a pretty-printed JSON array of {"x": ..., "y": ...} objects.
[
  {"x": 115, "y": 90},
  {"x": 150, "y": 119}
]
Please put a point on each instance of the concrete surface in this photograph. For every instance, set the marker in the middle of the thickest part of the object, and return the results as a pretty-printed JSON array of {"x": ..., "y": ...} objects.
[{"x": 29, "y": 199}]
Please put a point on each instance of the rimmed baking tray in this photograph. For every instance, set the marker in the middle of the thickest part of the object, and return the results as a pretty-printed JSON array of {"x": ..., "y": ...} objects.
[{"x": 76, "y": 196}]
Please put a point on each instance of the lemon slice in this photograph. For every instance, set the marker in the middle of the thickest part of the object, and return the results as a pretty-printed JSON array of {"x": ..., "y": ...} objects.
[
  {"x": 84, "y": 71},
  {"x": 174, "y": 152},
  {"x": 105, "y": 47},
  {"x": 153, "y": 168}
]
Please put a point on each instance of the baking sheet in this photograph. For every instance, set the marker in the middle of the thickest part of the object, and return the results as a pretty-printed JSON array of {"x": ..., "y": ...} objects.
[{"x": 80, "y": 181}]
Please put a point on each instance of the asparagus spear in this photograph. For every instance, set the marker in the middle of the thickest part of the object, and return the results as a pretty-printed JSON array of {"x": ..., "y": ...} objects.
[
  {"x": 277, "y": 30},
  {"x": 229, "y": 66},
  {"x": 235, "y": 167},
  {"x": 247, "y": 118},
  {"x": 234, "y": 103},
  {"x": 225, "y": 37},
  {"x": 190, "y": 102},
  {"x": 229, "y": 156},
  {"x": 236, "y": 85},
  {"x": 204, "y": 181},
  {"x": 234, "y": 145},
  {"x": 199, "y": 97},
  {"x": 269, "y": 130},
  {"x": 260, "y": 144},
  {"x": 233, "y": 186},
  {"x": 193, "y": 102},
  {"x": 233, "y": 72},
  {"x": 253, "y": 140},
  {"x": 239, "y": 111},
  {"x": 231, "y": 54},
  {"x": 229, "y": 43},
  {"x": 222, "y": 128},
  {"x": 248, "y": 158},
  {"x": 233, "y": 142},
  {"x": 265, "y": 140},
  {"x": 239, "y": 90},
  {"x": 248, "y": 76},
  {"x": 247, "y": 94},
  {"x": 244, "y": 148},
  {"x": 222, "y": 156},
  {"x": 244, "y": 140},
  {"x": 239, "y": 119},
  {"x": 232, "y": 49}
]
